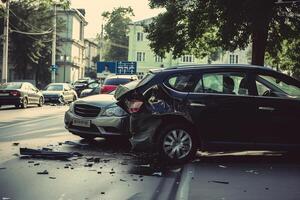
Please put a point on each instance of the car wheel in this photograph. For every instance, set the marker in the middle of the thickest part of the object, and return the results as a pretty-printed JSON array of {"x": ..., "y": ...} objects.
[
  {"x": 41, "y": 102},
  {"x": 24, "y": 103},
  {"x": 177, "y": 143},
  {"x": 61, "y": 100}
]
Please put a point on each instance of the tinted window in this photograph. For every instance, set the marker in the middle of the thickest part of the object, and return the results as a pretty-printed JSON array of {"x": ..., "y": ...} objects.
[
  {"x": 279, "y": 85},
  {"x": 10, "y": 86},
  {"x": 55, "y": 88},
  {"x": 116, "y": 81},
  {"x": 181, "y": 83},
  {"x": 223, "y": 83}
]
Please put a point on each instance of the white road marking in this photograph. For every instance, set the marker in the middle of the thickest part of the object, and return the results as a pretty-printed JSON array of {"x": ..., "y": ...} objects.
[
  {"x": 185, "y": 182},
  {"x": 30, "y": 121}
]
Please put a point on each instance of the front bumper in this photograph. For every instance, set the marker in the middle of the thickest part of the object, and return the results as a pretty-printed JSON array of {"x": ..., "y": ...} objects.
[
  {"x": 52, "y": 99},
  {"x": 100, "y": 126}
]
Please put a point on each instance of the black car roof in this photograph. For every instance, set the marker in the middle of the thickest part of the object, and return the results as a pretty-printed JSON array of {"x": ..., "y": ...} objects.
[{"x": 212, "y": 66}]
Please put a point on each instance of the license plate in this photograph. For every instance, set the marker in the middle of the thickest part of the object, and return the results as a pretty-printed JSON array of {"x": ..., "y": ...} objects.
[
  {"x": 4, "y": 94},
  {"x": 81, "y": 123}
]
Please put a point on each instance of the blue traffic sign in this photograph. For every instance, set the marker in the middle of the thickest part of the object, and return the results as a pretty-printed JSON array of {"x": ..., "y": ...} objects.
[{"x": 126, "y": 67}]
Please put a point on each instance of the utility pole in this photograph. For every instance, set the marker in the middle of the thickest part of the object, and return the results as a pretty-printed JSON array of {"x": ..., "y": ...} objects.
[
  {"x": 53, "y": 66},
  {"x": 5, "y": 43},
  {"x": 101, "y": 43}
]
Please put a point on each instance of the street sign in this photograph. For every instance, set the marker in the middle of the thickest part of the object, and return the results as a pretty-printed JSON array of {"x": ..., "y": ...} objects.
[
  {"x": 54, "y": 68},
  {"x": 126, "y": 67},
  {"x": 110, "y": 65}
]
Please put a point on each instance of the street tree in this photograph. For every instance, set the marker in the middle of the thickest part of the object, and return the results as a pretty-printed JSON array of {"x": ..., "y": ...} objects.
[
  {"x": 30, "y": 37},
  {"x": 202, "y": 26},
  {"x": 116, "y": 30}
]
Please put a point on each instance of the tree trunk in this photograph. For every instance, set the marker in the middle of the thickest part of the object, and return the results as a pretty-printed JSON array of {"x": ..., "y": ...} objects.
[
  {"x": 259, "y": 47},
  {"x": 260, "y": 23}
]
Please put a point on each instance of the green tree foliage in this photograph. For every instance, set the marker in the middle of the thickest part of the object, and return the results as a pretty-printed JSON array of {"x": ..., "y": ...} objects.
[
  {"x": 203, "y": 26},
  {"x": 31, "y": 53},
  {"x": 116, "y": 30}
]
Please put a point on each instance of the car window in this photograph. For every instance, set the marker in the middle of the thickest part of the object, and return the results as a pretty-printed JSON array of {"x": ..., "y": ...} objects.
[
  {"x": 55, "y": 88},
  {"x": 223, "y": 83},
  {"x": 261, "y": 88},
  {"x": 280, "y": 85},
  {"x": 116, "y": 81},
  {"x": 182, "y": 82},
  {"x": 10, "y": 86}
]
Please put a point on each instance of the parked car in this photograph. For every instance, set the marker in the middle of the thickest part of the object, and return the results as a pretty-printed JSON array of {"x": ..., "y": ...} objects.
[
  {"x": 98, "y": 116},
  {"x": 92, "y": 89},
  {"x": 82, "y": 84},
  {"x": 213, "y": 107},
  {"x": 59, "y": 93},
  {"x": 112, "y": 82},
  {"x": 20, "y": 94}
]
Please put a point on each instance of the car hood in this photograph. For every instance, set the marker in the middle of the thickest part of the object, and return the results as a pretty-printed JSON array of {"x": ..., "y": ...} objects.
[
  {"x": 100, "y": 100},
  {"x": 45, "y": 92}
]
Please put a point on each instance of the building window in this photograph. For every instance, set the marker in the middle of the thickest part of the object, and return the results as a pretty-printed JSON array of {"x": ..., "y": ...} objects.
[
  {"x": 233, "y": 59},
  {"x": 140, "y": 56},
  {"x": 140, "y": 36},
  {"x": 158, "y": 59},
  {"x": 187, "y": 59}
]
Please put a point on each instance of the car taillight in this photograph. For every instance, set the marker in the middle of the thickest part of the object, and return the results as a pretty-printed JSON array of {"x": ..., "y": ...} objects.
[
  {"x": 107, "y": 89},
  {"x": 134, "y": 106},
  {"x": 15, "y": 93}
]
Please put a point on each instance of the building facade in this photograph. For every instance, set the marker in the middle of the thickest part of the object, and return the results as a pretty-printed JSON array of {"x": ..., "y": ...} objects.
[
  {"x": 91, "y": 52},
  {"x": 70, "y": 57},
  {"x": 140, "y": 51}
]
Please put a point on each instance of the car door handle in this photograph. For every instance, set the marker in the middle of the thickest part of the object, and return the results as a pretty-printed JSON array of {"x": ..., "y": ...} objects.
[
  {"x": 266, "y": 108},
  {"x": 197, "y": 105}
]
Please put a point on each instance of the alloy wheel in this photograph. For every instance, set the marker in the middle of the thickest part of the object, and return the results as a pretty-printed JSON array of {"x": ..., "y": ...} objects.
[{"x": 177, "y": 144}]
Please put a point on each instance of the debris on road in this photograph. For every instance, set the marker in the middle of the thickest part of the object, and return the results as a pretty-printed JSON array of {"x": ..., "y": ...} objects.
[
  {"x": 36, "y": 164},
  {"x": 157, "y": 174},
  {"x": 88, "y": 165},
  {"x": 222, "y": 166},
  {"x": 221, "y": 182},
  {"x": 52, "y": 177},
  {"x": 43, "y": 172},
  {"x": 252, "y": 171},
  {"x": 148, "y": 165},
  {"x": 122, "y": 180},
  {"x": 47, "y": 153},
  {"x": 16, "y": 143},
  {"x": 75, "y": 143},
  {"x": 1, "y": 168}
]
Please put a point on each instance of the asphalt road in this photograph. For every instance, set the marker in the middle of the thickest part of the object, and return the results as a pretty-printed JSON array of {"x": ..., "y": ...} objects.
[{"x": 109, "y": 170}]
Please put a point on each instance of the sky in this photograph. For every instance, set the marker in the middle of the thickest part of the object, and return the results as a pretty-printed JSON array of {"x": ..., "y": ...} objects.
[{"x": 94, "y": 9}]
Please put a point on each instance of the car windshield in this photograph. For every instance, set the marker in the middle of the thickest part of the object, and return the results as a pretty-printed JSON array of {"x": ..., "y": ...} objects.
[
  {"x": 55, "y": 88},
  {"x": 79, "y": 82},
  {"x": 10, "y": 86}
]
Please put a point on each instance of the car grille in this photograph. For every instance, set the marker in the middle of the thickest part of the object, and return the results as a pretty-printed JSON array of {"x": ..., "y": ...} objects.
[{"x": 84, "y": 110}]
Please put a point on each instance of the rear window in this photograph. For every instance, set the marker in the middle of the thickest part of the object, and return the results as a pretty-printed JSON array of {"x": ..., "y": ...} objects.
[
  {"x": 10, "y": 86},
  {"x": 181, "y": 82},
  {"x": 116, "y": 81},
  {"x": 55, "y": 88}
]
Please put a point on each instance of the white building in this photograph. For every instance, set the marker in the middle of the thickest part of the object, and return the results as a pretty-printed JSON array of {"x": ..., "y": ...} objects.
[
  {"x": 70, "y": 59},
  {"x": 91, "y": 51},
  {"x": 140, "y": 51}
]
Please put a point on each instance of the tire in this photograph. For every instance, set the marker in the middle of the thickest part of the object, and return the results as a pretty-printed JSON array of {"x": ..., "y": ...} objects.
[
  {"x": 41, "y": 102},
  {"x": 24, "y": 103},
  {"x": 177, "y": 143}
]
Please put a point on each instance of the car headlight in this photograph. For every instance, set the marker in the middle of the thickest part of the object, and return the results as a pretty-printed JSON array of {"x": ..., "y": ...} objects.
[
  {"x": 71, "y": 108},
  {"x": 114, "y": 111}
]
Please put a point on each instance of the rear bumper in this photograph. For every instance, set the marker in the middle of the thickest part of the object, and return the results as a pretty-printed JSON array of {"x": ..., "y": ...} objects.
[
  {"x": 100, "y": 126},
  {"x": 11, "y": 100}
]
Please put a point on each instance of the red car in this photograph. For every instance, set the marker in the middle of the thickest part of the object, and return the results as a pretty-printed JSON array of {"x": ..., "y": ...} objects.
[{"x": 112, "y": 82}]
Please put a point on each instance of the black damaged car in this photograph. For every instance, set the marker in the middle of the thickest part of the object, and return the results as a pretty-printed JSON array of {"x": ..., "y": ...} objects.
[{"x": 176, "y": 111}]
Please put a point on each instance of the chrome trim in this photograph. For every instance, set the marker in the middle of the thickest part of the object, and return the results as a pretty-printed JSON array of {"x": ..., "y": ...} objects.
[{"x": 266, "y": 108}]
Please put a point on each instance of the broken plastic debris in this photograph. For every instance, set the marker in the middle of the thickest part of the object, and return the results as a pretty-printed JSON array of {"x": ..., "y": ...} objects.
[
  {"x": 221, "y": 182},
  {"x": 43, "y": 172},
  {"x": 252, "y": 171},
  {"x": 148, "y": 165},
  {"x": 75, "y": 143},
  {"x": 47, "y": 153},
  {"x": 157, "y": 174},
  {"x": 222, "y": 166},
  {"x": 6, "y": 198},
  {"x": 52, "y": 177},
  {"x": 2, "y": 168},
  {"x": 16, "y": 143}
]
